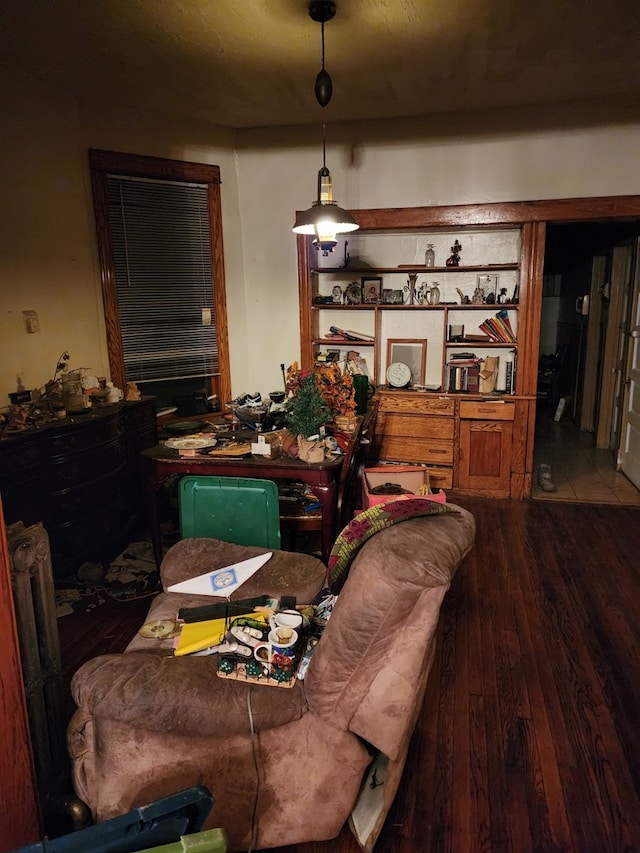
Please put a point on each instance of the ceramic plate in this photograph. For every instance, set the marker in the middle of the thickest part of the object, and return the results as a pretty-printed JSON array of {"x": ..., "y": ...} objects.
[{"x": 190, "y": 443}]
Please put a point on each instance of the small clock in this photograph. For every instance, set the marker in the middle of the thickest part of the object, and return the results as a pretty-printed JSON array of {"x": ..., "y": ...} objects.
[{"x": 398, "y": 374}]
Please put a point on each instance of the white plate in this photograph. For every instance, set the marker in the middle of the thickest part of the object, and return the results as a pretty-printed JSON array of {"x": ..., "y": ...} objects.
[{"x": 190, "y": 443}]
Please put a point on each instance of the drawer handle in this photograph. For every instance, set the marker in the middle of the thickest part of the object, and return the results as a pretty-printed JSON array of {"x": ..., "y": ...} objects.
[{"x": 435, "y": 450}]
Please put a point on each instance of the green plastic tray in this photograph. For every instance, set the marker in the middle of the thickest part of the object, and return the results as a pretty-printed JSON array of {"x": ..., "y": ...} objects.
[{"x": 241, "y": 510}]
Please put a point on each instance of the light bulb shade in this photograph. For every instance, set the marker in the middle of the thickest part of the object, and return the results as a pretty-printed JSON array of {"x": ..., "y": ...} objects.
[
  {"x": 322, "y": 216},
  {"x": 325, "y": 218}
]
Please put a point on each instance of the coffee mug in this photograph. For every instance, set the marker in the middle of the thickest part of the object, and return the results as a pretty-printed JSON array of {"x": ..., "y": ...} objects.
[
  {"x": 281, "y": 643},
  {"x": 286, "y": 619}
]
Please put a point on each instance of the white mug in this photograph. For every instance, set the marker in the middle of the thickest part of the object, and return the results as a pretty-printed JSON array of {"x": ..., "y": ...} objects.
[
  {"x": 276, "y": 645},
  {"x": 115, "y": 394},
  {"x": 286, "y": 619}
]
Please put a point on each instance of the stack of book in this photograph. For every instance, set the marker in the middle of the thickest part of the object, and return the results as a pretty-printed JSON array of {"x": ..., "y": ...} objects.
[
  {"x": 463, "y": 373},
  {"x": 499, "y": 328}
]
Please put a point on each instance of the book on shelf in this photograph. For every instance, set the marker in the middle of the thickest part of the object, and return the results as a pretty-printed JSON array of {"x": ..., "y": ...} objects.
[
  {"x": 348, "y": 335},
  {"x": 499, "y": 328},
  {"x": 463, "y": 373},
  {"x": 476, "y": 339},
  {"x": 510, "y": 375},
  {"x": 328, "y": 356},
  {"x": 357, "y": 364}
]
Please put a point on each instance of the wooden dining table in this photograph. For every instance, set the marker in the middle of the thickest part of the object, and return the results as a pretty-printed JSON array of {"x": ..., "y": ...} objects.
[{"x": 323, "y": 478}]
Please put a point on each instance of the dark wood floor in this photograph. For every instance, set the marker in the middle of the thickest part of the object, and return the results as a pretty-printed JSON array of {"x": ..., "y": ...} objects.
[{"x": 529, "y": 738}]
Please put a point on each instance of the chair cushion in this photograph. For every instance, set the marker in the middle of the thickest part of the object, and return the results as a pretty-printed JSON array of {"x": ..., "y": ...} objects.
[
  {"x": 286, "y": 573},
  {"x": 164, "y": 693}
]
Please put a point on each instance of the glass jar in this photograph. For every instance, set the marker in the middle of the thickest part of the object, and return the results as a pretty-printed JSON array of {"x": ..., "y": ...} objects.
[
  {"x": 429, "y": 256},
  {"x": 434, "y": 293}
]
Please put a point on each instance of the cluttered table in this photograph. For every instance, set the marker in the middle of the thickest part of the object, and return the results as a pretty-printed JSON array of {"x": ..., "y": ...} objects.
[{"x": 167, "y": 459}]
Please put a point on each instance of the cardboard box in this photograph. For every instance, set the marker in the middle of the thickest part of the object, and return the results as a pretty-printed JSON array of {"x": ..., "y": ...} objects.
[{"x": 410, "y": 477}]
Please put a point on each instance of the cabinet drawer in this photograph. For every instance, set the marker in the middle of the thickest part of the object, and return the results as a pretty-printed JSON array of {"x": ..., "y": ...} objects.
[
  {"x": 417, "y": 427},
  {"x": 89, "y": 537},
  {"x": 416, "y": 404},
  {"x": 140, "y": 415},
  {"x": 440, "y": 478},
  {"x": 66, "y": 472},
  {"x": 75, "y": 438},
  {"x": 18, "y": 456},
  {"x": 80, "y": 501},
  {"x": 487, "y": 411},
  {"x": 405, "y": 449}
]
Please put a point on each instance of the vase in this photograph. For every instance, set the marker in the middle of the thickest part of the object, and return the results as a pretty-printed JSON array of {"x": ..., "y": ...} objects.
[
  {"x": 434, "y": 294},
  {"x": 429, "y": 256}
]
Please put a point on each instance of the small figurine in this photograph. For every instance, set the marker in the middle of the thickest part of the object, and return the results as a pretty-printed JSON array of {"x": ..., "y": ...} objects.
[
  {"x": 132, "y": 392},
  {"x": 478, "y": 296},
  {"x": 464, "y": 299},
  {"x": 502, "y": 296},
  {"x": 454, "y": 258}
]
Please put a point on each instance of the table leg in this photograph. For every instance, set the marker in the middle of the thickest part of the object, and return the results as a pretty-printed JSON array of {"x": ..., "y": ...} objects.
[
  {"x": 327, "y": 496},
  {"x": 153, "y": 486}
]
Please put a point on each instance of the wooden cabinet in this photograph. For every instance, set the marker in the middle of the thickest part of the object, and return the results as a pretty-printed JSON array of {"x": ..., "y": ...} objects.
[
  {"x": 502, "y": 253},
  {"x": 485, "y": 451},
  {"x": 80, "y": 477},
  {"x": 414, "y": 427}
]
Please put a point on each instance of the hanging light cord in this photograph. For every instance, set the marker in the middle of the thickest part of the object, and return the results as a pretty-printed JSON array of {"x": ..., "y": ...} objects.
[{"x": 324, "y": 145}]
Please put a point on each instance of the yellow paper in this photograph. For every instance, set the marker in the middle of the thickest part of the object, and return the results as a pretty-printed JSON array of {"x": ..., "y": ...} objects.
[{"x": 196, "y": 636}]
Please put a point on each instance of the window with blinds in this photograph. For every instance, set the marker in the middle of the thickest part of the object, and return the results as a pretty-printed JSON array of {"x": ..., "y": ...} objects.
[{"x": 162, "y": 264}]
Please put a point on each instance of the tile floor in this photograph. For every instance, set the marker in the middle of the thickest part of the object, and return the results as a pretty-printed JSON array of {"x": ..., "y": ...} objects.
[{"x": 580, "y": 472}]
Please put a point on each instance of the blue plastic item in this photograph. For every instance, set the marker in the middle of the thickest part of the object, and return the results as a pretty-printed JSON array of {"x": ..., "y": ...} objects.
[
  {"x": 241, "y": 510},
  {"x": 162, "y": 822}
]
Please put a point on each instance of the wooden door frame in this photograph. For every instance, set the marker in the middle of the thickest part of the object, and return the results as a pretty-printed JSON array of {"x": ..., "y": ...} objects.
[
  {"x": 592, "y": 355},
  {"x": 20, "y": 817},
  {"x": 621, "y": 259}
]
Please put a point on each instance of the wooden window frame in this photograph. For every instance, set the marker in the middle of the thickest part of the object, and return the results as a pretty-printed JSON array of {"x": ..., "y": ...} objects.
[{"x": 103, "y": 163}]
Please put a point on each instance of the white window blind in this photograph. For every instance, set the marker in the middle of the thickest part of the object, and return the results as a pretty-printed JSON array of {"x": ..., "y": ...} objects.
[{"x": 161, "y": 244}]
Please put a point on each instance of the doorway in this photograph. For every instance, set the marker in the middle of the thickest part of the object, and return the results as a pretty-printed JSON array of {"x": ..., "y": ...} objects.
[{"x": 582, "y": 352}]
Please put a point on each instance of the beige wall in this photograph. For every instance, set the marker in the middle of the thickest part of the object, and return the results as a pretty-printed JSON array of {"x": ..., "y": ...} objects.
[
  {"x": 48, "y": 257},
  {"x": 47, "y": 245}
]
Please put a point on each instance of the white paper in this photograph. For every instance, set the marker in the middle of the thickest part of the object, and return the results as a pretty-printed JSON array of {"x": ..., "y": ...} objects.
[{"x": 222, "y": 582}]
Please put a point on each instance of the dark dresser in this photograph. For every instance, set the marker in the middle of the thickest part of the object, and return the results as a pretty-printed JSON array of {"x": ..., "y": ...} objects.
[{"x": 81, "y": 478}]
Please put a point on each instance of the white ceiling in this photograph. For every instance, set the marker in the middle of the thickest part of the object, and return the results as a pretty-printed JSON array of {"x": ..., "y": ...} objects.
[{"x": 252, "y": 63}]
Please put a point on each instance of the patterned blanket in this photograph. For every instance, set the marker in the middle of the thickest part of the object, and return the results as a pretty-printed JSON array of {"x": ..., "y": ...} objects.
[{"x": 370, "y": 521}]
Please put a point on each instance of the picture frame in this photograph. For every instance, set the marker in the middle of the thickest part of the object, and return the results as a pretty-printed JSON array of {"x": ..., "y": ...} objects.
[
  {"x": 371, "y": 289},
  {"x": 352, "y": 294},
  {"x": 411, "y": 351},
  {"x": 488, "y": 282}
]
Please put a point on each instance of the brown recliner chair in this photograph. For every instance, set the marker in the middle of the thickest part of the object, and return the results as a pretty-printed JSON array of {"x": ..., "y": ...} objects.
[{"x": 285, "y": 765}]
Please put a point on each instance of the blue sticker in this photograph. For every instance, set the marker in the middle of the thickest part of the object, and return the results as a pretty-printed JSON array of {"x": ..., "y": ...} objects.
[{"x": 224, "y": 579}]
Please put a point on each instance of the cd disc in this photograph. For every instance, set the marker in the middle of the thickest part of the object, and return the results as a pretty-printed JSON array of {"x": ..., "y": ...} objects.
[{"x": 161, "y": 629}]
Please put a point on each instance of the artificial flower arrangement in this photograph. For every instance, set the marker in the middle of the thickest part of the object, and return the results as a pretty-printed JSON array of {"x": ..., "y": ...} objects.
[
  {"x": 334, "y": 385},
  {"x": 315, "y": 397}
]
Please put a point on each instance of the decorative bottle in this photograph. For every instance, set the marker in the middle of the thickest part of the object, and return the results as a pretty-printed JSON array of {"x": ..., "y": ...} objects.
[
  {"x": 434, "y": 294},
  {"x": 429, "y": 256}
]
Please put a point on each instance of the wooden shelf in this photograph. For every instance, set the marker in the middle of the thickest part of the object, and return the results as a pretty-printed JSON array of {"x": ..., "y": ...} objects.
[{"x": 418, "y": 269}]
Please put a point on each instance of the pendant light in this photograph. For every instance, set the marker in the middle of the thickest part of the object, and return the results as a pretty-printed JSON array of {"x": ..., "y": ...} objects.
[{"x": 324, "y": 219}]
